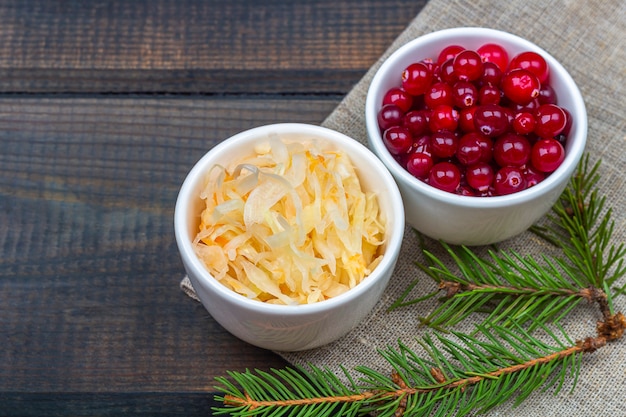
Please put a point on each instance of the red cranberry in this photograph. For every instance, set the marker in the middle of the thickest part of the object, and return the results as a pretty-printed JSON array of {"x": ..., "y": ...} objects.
[
  {"x": 416, "y": 78},
  {"x": 444, "y": 117},
  {"x": 417, "y": 121},
  {"x": 445, "y": 176},
  {"x": 551, "y": 120},
  {"x": 467, "y": 65},
  {"x": 397, "y": 139},
  {"x": 446, "y": 71},
  {"x": 443, "y": 144},
  {"x": 449, "y": 52},
  {"x": 547, "y": 155},
  {"x": 547, "y": 95},
  {"x": 491, "y": 120},
  {"x": 524, "y": 123},
  {"x": 466, "y": 120},
  {"x": 439, "y": 93},
  {"x": 419, "y": 164},
  {"x": 509, "y": 180},
  {"x": 532, "y": 62},
  {"x": 469, "y": 150},
  {"x": 473, "y": 124},
  {"x": 492, "y": 74},
  {"x": 494, "y": 53},
  {"x": 520, "y": 86},
  {"x": 422, "y": 144},
  {"x": 532, "y": 176},
  {"x": 511, "y": 149},
  {"x": 464, "y": 94},
  {"x": 489, "y": 94},
  {"x": 400, "y": 98},
  {"x": 389, "y": 115},
  {"x": 480, "y": 176}
]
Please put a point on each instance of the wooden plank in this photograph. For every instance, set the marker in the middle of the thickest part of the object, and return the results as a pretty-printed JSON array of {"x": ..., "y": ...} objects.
[
  {"x": 152, "y": 404},
  {"x": 187, "y": 46},
  {"x": 89, "y": 273}
]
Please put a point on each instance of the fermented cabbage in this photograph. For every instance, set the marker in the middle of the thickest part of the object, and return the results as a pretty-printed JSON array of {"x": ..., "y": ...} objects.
[{"x": 290, "y": 224}]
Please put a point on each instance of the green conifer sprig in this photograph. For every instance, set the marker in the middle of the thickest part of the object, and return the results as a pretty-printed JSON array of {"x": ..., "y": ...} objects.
[
  {"x": 507, "y": 285},
  {"x": 581, "y": 226},
  {"x": 510, "y": 287},
  {"x": 503, "y": 359},
  {"x": 460, "y": 374}
]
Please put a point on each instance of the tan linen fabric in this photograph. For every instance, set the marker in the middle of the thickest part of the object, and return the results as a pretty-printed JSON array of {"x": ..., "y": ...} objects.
[{"x": 588, "y": 38}]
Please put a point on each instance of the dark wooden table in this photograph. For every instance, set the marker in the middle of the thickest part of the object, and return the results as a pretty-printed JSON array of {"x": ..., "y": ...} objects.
[{"x": 104, "y": 107}]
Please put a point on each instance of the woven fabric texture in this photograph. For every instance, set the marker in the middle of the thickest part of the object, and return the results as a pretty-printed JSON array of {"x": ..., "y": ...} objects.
[{"x": 588, "y": 38}]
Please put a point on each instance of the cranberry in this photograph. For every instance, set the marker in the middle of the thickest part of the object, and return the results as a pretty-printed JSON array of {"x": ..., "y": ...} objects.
[
  {"x": 464, "y": 94},
  {"x": 475, "y": 124},
  {"x": 532, "y": 176},
  {"x": 469, "y": 150},
  {"x": 491, "y": 120},
  {"x": 551, "y": 120},
  {"x": 446, "y": 71},
  {"x": 444, "y": 144},
  {"x": 416, "y": 78},
  {"x": 547, "y": 155},
  {"x": 445, "y": 176},
  {"x": 494, "y": 53},
  {"x": 532, "y": 62},
  {"x": 489, "y": 94},
  {"x": 389, "y": 115},
  {"x": 419, "y": 164},
  {"x": 480, "y": 176},
  {"x": 547, "y": 95},
  {"x": 417, "y": 121},
  {"x": 439, "y": 93},
  {"x": 511, "y": 149},
  {"x": 530, "y": 107},
  {"x": 397, "y": 139},
  {"x": 449, "y": 52},
  {"x": 422, "y": 144},
  {"x": 467, "y": 65},
  {"x": 399, "y": 97},
  {"x": 520, "y": 86},
  {"x": 509, "y": 180},
  {"x": 443, "y": 117},
  {"x": 492, "y": 74},
  {"x": 486, "y": 148},
  {"x": 466, "y": 119},
  {"x": 432, "y": 66},
  {"x": 524, "y": 123}
]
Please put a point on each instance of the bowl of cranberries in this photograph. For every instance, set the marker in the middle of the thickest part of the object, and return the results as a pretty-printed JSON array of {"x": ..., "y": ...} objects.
[{"x": 481, "y": 130}]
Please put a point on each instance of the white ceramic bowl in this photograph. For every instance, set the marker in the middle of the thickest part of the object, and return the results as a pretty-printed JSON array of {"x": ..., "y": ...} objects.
[
  {"x": 282, "y": 327},
  {"x": 475, "y": 220}
]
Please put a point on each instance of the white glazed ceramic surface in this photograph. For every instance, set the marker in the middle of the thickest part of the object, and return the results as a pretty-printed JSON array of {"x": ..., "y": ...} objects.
[
  {"x": 279, "y": 327},
  {"x": 475, "y": 220}
]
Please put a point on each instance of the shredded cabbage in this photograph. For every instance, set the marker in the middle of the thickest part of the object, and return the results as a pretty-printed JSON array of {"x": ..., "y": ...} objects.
[{"x": 289, "y": 225}]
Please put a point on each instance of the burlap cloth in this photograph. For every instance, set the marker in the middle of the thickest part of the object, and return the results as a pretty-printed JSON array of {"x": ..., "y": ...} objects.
[{"x": 588, "y": 38}]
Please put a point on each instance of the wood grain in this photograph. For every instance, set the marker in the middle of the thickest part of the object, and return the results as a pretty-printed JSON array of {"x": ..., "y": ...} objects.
[
  {"x": 195, "y": 47},
  {"x": 89, "y": 296},
  {"x": 104, "y": 107}
]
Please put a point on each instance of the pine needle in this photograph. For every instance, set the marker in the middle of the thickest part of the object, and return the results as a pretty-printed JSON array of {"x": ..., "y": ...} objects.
[{"x": 457, "y": 374}]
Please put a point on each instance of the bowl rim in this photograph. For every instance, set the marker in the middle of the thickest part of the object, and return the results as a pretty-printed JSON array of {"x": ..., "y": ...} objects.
[
  {"x": 183, "y": 238},
  {"x": 577, "y": 139}
]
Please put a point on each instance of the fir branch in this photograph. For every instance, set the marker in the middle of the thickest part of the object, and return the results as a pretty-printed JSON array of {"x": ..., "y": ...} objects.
[
  {"x": 580, "y": 225},
  {"x": 510, "y": 288},
  {"x": 460, "y": 374},
  {"x": 506, "y": 285},
  {"x": 502, "y": 360}
]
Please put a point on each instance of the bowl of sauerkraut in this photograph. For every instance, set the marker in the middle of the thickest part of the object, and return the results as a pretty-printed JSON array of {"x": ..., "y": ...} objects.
[{"x": 289, "y": 234}]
